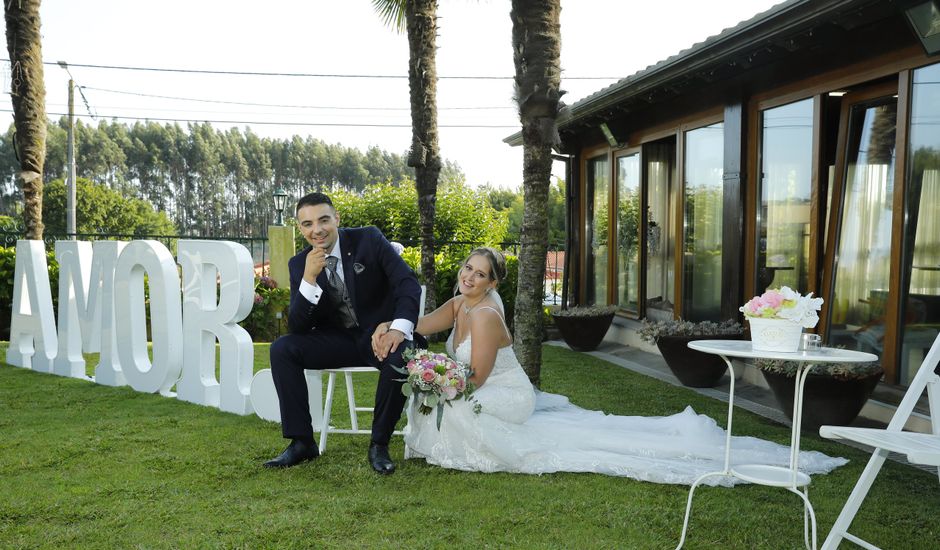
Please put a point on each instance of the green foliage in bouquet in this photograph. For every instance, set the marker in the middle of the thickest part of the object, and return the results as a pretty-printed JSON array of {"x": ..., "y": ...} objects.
[{"x": 269, "y": 314}]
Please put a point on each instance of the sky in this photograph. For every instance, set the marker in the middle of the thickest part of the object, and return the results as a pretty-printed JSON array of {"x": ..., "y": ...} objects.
[{"x": 602, "y": 41}]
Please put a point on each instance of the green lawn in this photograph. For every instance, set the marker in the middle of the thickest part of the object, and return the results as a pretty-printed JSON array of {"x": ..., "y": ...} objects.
[{"x": 83, "y": 465}]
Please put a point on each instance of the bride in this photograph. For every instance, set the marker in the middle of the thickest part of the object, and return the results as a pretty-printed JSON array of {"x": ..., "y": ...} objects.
[{"x": 520, "y": 429}]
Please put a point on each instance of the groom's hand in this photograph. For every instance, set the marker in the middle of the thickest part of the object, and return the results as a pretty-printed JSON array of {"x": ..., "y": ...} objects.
[
  {"x": 384, "y": 344},
  {"x": 316, "y": 261}
]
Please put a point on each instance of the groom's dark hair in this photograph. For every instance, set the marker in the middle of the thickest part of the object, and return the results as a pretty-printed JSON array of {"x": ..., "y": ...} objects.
[{"x": 313, "y": 199}]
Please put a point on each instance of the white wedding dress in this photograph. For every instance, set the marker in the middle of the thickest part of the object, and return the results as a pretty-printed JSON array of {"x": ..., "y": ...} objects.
[{"x": 523, "y": 430}]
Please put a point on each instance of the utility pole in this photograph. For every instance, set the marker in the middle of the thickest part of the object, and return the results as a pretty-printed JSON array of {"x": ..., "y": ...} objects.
[{"x": 70, "y": 225}]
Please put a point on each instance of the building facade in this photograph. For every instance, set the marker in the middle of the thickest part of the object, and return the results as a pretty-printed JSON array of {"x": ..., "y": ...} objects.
[{"x": 799, "y": 148}]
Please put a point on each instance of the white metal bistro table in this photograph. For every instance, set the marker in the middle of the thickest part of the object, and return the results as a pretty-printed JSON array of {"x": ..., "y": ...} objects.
[{"x": 764, "y": 474}]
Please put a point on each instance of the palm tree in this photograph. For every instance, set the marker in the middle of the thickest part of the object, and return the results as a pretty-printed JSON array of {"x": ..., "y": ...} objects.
[
  {"x": 536, "y": 41},
  {"x": 29, "y": 105},
  {"x": 419, "y": 17}
]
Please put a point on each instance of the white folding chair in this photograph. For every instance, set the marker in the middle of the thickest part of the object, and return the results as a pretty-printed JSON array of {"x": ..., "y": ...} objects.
[
  {"x": 919, "y": 448},
  {"x": 347, "y": 372}
]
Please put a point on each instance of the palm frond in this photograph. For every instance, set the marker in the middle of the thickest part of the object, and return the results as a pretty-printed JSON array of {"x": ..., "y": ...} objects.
[{"x": 392, "y": 12}]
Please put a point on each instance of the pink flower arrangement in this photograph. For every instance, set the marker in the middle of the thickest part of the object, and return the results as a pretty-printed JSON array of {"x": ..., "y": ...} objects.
[
  {"x": 784, "y": 303},
  {"x": 435, "y": 380}
]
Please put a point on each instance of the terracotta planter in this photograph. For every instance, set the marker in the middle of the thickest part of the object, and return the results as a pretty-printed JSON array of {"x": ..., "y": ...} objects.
[
  {"x": 694, "y": 369},
  {"x": 583, "y": 333},
  {"x": 826, "y": 400}
]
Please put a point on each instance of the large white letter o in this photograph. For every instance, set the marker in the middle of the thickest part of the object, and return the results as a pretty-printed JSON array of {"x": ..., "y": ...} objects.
[{"x": 152, "y": 258}]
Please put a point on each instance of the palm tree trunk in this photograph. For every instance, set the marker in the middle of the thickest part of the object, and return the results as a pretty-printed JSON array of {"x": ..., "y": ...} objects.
[
  {"x": 421, "y": 23},
  {"x": 536, "y": 38},
  {"x": 29, "y": 106}
]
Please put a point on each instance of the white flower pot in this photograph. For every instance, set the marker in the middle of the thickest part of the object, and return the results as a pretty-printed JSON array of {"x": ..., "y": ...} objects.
[{"x": 775, "y": 334}]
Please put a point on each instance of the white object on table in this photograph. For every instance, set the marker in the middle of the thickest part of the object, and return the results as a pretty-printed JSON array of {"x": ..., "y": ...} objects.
[{"x": 763, "y": 474}]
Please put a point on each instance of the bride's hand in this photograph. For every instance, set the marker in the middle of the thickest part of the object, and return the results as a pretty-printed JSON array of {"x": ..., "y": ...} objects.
[{"x": 380, "y": 330}]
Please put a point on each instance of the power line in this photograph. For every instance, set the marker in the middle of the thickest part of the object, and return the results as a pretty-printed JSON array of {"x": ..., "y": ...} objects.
[
  {"x": 305, "y": 75},
  {"x": 324, "y": 107},
  {"x": 276, "y": 123}
]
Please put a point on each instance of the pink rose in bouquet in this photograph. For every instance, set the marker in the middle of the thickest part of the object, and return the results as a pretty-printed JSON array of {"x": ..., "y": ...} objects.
[{"x": 435, "y": 380}]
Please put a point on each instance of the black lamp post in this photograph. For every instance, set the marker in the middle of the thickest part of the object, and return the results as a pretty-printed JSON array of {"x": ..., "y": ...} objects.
[{"x": 280, "y": 202}]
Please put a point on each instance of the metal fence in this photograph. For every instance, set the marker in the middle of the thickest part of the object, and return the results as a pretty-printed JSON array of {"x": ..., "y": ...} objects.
[{"x": 257, "y": 247}]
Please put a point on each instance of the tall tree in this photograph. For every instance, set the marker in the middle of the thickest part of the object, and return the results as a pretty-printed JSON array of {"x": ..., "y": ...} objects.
[
  {"x": 28, "y": 92},
  {"x": 419, "y": 17},
  {"x": 536, "y": 50}
]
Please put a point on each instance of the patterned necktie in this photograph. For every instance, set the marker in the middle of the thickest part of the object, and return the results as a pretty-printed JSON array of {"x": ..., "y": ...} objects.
[{"x": 347, "y": 317}]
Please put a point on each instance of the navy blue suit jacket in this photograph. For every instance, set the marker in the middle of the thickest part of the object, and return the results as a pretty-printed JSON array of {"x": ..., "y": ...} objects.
[{"x": 380, "y": 284}]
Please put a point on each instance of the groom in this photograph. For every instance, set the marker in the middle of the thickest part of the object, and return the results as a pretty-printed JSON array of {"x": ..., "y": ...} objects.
[{"x": 341, "y": 287}]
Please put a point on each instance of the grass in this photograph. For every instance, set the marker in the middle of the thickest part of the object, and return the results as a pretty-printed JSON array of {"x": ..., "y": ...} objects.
[{"x": 83, "y": 465}]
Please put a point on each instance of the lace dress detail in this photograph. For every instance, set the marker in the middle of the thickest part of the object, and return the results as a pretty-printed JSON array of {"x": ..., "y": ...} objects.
[{"x": 526, "y": 431}]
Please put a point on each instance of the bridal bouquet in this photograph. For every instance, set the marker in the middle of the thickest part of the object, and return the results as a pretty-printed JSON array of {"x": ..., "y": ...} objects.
[
  {"x": 435, "y": 379},
  {"x": 784, "y": 303}
]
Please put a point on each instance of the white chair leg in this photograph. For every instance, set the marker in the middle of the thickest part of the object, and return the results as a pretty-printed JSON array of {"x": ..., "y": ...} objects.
[
  {"x": 327, "y": 409},
  {"x": 841, "y": 527},
  {"x": 351, "y": 398}
]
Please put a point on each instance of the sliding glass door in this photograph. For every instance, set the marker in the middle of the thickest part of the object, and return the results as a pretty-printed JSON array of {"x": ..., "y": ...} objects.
[
  {"x": 703, "y": 200},
  {"x": 862, "y": 263},
  {"x": 629, "y": 241}
]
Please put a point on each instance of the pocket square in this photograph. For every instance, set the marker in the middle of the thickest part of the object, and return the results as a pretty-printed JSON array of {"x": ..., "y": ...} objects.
[{"x": 358, "y": 268}]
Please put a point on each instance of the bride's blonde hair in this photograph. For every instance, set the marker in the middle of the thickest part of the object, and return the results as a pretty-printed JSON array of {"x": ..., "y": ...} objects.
[{"x": 496, "y": 260}]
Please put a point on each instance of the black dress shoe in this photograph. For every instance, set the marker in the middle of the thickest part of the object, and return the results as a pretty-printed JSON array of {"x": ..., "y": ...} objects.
[
  {"x": 380, "y": 460},
  {"x": 298, "y": 451}
]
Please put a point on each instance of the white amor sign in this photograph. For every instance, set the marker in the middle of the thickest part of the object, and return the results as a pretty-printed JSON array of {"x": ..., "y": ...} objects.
[{"x": 102, "y": 308}]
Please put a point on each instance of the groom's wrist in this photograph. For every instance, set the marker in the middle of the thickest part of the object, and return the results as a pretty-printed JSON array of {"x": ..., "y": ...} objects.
[{"x": 403, "y": 326}]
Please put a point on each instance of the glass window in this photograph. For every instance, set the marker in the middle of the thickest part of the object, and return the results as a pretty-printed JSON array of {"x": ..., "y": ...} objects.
[
  {"x": 785, "y": 192},
  {"x": 860, "y": 291},
  {"x": 921, "y": 307},
  {"x": 628, "y": 232},
  {"x": 659, "y": 160},
  {"x": 598, "y": 223},
  {"x": 704, "y": 167}
]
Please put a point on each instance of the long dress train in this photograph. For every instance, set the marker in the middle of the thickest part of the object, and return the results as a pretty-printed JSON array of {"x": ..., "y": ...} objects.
[{"x": 526, "y": 431}]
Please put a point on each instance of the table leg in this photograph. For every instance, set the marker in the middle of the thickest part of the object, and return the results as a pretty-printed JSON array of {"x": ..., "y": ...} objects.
[
  {"x": 802, "y": 372},
  {"x": 727, "y": 469},
  {"x": 809, "y": 519}
]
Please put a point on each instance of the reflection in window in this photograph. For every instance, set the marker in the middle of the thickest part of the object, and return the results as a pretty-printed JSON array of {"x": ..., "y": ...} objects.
[
  {"x": 785, "y": 190},
  {"x": 628, "y": 232},
  {"x": 598, "y": 222},
  {"x": 704, "y": 166},
  {"x": 860, "y": 292},
  {"x": 659, "y": 161},
  {"x": 921, "y": 308}
]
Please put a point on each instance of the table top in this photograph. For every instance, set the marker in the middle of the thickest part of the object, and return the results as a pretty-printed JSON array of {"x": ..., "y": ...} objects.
[{"x": 742, "y": 348}]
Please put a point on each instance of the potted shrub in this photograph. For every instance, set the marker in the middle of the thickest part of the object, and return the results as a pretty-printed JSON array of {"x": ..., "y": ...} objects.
[
  {"x": 583, "y": 327},
  {"x": 834, "y": 393},
  {"x": 693, "y": 368}
]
